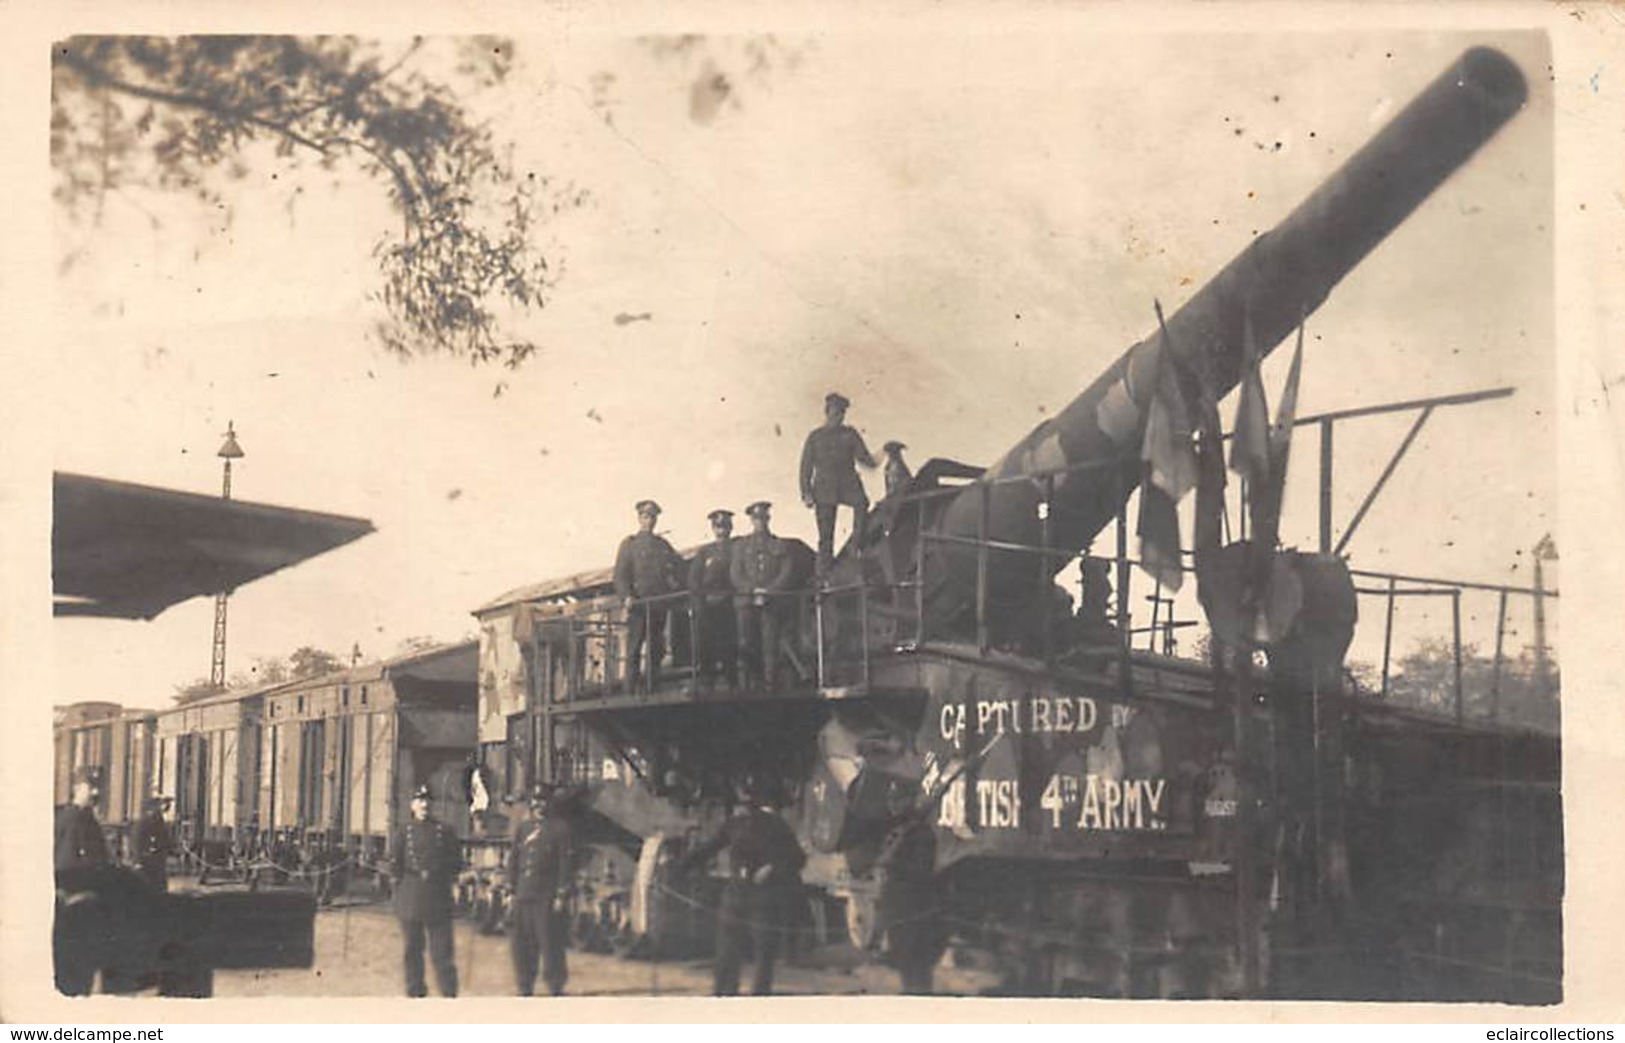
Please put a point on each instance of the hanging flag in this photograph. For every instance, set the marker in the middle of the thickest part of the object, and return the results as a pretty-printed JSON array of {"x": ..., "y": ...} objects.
[
  {"x": 1249, "y": 452},
  {"x": 1158, "y": 530},
  {"x": 1167, "y": 449},
  {"x": 1268, "y": 499},
  {"x": 1208, "y": 535},
  {"x": 1170, "y": 468}
]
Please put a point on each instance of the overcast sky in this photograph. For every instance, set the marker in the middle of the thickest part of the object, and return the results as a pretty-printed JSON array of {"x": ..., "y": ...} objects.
[{"x": 958, "y": 230}]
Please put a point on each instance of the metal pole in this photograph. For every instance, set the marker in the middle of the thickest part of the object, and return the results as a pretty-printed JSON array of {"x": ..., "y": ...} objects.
[
  {"x": 1388, "y": 638},
  {"x": 1495, "y": 673},
  {"x": 1455, "y": 625},
  {"x": 863, "y": 626},
  {"x": 982, "y": 518},
  {"x": 1326, "y": 486},
  {"x": 1382, "y": 479},
  {"x": 919, "y": 573},
  {"x": 1045, "y": 538},
  {"x": 1124, "y": 616},
  {"x": 1246, "y": 900},
  {"x": 818, "y": 627}
]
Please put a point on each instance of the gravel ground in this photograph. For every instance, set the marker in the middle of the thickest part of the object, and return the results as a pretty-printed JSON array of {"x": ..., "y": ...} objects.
[{"x": 358, "y": 953}]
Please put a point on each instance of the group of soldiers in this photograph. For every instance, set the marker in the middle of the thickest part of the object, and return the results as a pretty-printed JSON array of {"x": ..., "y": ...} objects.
[
  {"x": 763, "y": 859},
  {"x": 737, "y": 586}
]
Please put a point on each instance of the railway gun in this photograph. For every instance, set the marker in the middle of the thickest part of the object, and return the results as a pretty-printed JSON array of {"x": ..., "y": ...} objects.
[{"x": 1103, "y": 818}]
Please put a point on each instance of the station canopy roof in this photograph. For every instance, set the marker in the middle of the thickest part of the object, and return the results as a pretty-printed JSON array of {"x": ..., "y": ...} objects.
[{"x": 129, "y": 551}]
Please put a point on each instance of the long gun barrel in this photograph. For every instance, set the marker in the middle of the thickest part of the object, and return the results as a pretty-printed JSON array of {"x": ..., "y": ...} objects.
[{"x": 1280, "y": 277}]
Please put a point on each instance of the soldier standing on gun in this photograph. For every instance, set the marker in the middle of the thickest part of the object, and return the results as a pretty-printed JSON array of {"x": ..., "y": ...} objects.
[
  {"x": 711, "y": 586},
  {"x": 646, "y": 566},
  {"x": 424, "y": 864},
  {"x": 153, "y": 844},
  {"x": 761, "y": 572},
  {"x": 539, "y": 869},
  {"x": 764, "y": 879},
  {"x": 829, "y": 474}
]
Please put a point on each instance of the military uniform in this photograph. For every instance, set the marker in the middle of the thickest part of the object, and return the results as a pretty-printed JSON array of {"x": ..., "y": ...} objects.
[
  {"x": 909, "y": 918},
  {"x": 646, "y": 566},
  {"x": 83, "y": 923},
  {"x": 539, "y": 872},
  {"x": 761, "y": 570},
  {"x": 829, "y": 476},
  {"x": 764, "y": 880},
  {"x": 153, "y": 844},
  {"x": 711, "y": 584},
  {"x": 424, "y": 864}
]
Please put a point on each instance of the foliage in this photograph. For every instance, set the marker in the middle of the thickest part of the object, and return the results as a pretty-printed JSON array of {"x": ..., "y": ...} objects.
[
  {"x": 1517, "y": 693},
  {"x": 307, "y": 661},
  {"x": 181, "y": 113}
]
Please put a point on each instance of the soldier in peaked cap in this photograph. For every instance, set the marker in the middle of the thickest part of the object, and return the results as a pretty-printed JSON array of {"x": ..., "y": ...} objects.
[
  {"x": 84, "y": 919},
  {"x": 646, "y": 566},
  {"x": 424, "y": 864},
  {"x": 153, "y": 843},
  {"x": 764, "y": 879},
  {"x": 761, "y": 571},
  {"x": 710, "y": 583},
  {"x": 540, "y": 872},
  {"x": 829, "y": 474}
]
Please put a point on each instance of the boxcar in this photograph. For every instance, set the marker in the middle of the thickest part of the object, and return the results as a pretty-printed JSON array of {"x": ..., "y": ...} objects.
[
  {"x": 208, "y": 763},
  {"x": 115, "y": 739},
  {"x": 342, "y": 753}
]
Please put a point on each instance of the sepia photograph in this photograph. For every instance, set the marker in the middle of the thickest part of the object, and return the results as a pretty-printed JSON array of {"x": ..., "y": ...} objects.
[{"x": 956, "y": 507}]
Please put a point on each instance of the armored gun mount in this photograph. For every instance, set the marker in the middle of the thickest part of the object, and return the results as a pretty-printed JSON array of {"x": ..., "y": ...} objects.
[
  {"x": 142, "y": 938},
  {"x": 1084, "y": 462}
]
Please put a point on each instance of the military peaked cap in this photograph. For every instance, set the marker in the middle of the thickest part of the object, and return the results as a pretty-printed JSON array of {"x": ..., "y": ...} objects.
[
  {"x": 759, "y": 509},
  {"x": 720, "y": 514},
  {"x": 836, "y": 400},
  {"x": 422, "y": 793},
  {"x": 648, "y": 507},
  {"x": 893, "y": 446}
]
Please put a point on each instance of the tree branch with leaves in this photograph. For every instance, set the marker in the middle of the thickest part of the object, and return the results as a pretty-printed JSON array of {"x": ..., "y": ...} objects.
[{"x": 184, "y": 113}]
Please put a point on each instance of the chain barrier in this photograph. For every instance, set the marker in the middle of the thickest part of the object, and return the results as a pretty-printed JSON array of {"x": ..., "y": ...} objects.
[{"x": 259, "y": 862}]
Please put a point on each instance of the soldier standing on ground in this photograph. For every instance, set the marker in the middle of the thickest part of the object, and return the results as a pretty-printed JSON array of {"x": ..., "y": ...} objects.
[
  {"x": 646, "y": 566},
  {"x": 764, "y": 880},
  {"x": 761, "y": 571},
  {"x": 83, "y": 919},
  {"x": 424, "y": 865},
  {"x": 829, "y": 475},
  {"x": 539, "y": 869},
  {"x": 153, "y": 843},
  {"x": 711, "y": 586}
]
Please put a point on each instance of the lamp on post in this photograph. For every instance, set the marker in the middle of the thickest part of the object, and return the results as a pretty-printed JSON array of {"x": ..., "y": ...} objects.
[{"x": 229, "y": 451}]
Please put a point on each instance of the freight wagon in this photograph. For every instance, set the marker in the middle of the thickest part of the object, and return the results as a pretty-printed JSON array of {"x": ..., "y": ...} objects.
[
  {"x": 117, "y": 740},
  {"x": 341, "y": 754}
]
